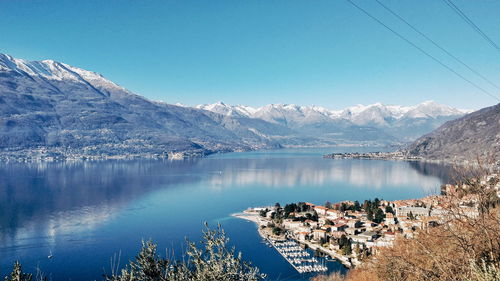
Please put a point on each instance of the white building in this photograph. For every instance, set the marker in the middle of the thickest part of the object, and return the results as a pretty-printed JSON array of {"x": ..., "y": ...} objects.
[{"x": 416, "y": 211}]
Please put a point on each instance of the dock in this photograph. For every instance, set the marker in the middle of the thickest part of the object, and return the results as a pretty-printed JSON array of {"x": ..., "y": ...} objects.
[{"x": 298, "y": 258}]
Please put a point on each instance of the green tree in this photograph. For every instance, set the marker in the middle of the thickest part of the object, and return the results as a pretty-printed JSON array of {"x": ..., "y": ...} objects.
[
  {"x": 273, "y": 215},
  {"x": 322, "y": 241},
  {"x": 343, "y": 241},
  {"x": 276, "y": 230},
  {"x": 314, "y": 216},
  {"x": 356, "y": 206},
  {"x": 347, "y": 249},
  {"x": 289, "y": 208},
  {"x": 343, "y": 207},
  {"x": 379, "y": 216},
  {"x": 263, "y": 213},
  {"x": 367, "y": 205},
  {"x": 388, "y": 209},
  {"x": 369, "y": 214}
]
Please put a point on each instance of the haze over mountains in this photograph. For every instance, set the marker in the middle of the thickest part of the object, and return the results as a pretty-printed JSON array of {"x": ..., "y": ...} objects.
[{"x": 51, "y": 109}]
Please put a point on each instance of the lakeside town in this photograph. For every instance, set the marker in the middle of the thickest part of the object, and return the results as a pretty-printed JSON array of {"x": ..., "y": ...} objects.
[
  {"x": 350, "y": 231},
  {"x": 395, "y": 155}
]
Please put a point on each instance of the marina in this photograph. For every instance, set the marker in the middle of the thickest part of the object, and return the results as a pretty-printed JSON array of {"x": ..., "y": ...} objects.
[{"x": 300, "y": 259}]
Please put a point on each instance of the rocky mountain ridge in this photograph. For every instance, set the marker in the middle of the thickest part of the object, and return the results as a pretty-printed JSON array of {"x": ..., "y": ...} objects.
[
  {"x": 475, "y": 136},
  {"x": 403, "y": 123}
]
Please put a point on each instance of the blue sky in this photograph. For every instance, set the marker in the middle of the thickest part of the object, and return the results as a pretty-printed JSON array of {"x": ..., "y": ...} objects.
[{"x": 258, "y": 52}]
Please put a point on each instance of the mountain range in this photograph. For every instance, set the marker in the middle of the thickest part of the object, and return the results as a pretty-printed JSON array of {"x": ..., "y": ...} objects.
[
  {"x": 50, "y": 109},
  {"x": 376, "y": 122}
]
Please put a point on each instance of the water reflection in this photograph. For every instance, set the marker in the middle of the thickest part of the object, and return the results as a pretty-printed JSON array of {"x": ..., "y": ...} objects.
[
  {"x": 293, "y": 172},
  {"x": 48, "y": 204},
  {"x": 50, "y": 198}
]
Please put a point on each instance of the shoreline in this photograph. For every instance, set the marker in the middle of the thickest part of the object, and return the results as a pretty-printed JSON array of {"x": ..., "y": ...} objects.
[
  {"x": 255, "y": 218},
  {"x": 398, "y": 156}
]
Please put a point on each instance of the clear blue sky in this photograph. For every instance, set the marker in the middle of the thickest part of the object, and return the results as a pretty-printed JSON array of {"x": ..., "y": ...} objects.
[{"x": 258, "y": 52}]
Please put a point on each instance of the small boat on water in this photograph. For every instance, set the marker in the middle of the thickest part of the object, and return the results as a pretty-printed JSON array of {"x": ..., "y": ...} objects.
[{"x": 50, "y": 255}]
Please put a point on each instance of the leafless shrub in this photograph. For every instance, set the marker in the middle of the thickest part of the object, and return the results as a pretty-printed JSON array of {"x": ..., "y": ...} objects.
[
  {"x": 465, "y": 246},
  {"x": 335, "y": 276}
]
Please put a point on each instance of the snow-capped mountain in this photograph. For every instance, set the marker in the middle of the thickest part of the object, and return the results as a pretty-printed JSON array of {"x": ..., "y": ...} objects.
[
  {"x": 54, "y": 109},
  {"x": 359, "y": 114},
  {"x": 404, "y": 122},
  {"x": 55, "y": 71},
  {"x": 51, "y": 108}
]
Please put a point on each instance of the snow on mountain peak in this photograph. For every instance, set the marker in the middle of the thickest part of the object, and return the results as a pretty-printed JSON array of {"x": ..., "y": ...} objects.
[
  {"x": 376, "y": 114},
  {"x": 53, "y": 70}
]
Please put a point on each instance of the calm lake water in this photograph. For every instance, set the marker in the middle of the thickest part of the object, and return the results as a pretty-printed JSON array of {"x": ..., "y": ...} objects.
[{"x": 85, "y": 212}]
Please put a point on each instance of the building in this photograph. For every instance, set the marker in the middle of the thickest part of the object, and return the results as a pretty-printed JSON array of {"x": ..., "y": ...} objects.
[
  {"x": 368, "y": 235},
  {"x": 319, "y": 234},
  {"x": 354, "y": 223},
  {"x": 415, "y": 211},
  {"x": 339, "y": 227},
  {"x": 327, "y": 227},
  {"x": 312, "y": 223},
  {"x": 334, "y": 247},
  {"x": 337, "y": 234},
  {"x": 390, "y": 219},
  {"x": 303, "y": 235},
  {"x": 310, "y": 205},
  {"x": 389, "y": 236},
  {"x": 358, "y": 239},
  {"x": 320, "y": 210},
  {"x": 350, "y": 231},
  {"x": 289, "y": 224},
  {"x": 333, "y": 214}
]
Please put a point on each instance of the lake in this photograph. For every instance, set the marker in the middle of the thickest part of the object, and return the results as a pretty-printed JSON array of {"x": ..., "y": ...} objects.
[{"x": 86, "y": 212}]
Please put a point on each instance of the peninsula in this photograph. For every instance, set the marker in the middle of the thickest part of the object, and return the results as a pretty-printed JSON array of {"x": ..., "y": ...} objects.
[{"x": 350, "y": 231}]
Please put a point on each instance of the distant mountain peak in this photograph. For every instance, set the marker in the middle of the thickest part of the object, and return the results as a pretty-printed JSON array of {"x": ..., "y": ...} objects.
[
  {"x": 426, "y": 109},
  {"x": 395, "y": 119},
  {"x": 53, "y": 70}
]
